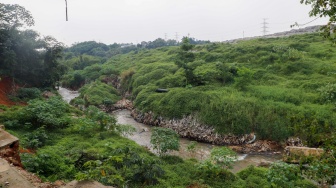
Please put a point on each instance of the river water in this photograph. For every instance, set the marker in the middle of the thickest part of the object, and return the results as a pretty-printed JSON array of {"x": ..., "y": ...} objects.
[
  {"x": 202, "y": 152},
  {"x": 67, "y": 95}
]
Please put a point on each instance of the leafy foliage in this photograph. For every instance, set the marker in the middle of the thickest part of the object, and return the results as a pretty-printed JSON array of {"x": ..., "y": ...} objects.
[
  {"x": 49, "y": 165},
  {"x": 97, "y": 93},
  {"x": 51, "y": 113},
  {"x": 322, "y": 169},
  {"x": 28, "y": 93},
  {"x": 35, "y": 139},
  {"x": 185, "y": 56},
  {"x": 244, "y": 78},
  {"x": 25, "y": 55},
  {"x": 123, "y": 167},
  {"x": 328, "y": 93},
  {"x": 284, "y": 175},
  {"x": 164, "y": 140},
  {"x": 324, "y": 8},
  {"x": 220, "y": 158}
]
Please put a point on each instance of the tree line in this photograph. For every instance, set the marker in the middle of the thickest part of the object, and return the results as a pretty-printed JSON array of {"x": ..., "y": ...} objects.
[{"x": 25, "y": 55}]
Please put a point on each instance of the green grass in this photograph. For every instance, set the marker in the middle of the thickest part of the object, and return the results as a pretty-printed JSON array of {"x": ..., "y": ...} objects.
[{"x": 287, "y": 75}]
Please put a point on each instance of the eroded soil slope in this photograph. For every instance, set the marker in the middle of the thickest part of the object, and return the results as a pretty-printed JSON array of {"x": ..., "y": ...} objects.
[{"x": 5, "y": 89}]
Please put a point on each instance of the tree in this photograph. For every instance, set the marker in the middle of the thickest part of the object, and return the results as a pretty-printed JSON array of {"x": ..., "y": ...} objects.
[
  {"x": 105, "y": 121},
  {"x": 14, "y": 16},
  {"x": 24, "y": 54},
  {"x": 164, "y": 140},
  {"x": 244, "y": 78},
  {"x": 185, "y": 56},
  {"x": 324, "y": 8}
]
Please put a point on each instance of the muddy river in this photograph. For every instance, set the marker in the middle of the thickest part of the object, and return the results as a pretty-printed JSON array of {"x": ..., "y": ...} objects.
[{"x": 142, "y": 138}]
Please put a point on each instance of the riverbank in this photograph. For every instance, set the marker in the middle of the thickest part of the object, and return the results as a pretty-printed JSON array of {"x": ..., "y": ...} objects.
[
  {"x": 189, "y": 127},
  {"x": 202, "y": 151}
]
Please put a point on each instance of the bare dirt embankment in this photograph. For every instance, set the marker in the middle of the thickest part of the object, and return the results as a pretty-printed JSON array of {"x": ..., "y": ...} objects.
[{"x": 6, "y": 86}]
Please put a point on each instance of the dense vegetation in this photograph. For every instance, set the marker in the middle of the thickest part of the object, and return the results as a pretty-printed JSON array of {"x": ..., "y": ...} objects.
[
  {"x": 26, "y": 56},
  {"x": 90, "y": 147},
  {"x": 274, "y": 87}
]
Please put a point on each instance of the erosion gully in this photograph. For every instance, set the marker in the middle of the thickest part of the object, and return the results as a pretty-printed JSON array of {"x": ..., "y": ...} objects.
[{"x": 143, "y": 134}]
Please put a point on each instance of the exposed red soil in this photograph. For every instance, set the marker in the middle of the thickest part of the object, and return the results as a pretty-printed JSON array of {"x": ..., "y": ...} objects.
[{"x": 6, "y": 84}]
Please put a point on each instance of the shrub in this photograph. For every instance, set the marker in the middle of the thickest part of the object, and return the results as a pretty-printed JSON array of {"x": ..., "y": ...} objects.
[
  {"x": 51, "y": 113},
  {"x": 28, "y": 93},
  {"x": 49, "y": 165},
  {"x": 282, "y": 174},
  {"x": 123, "y": 167},
  {"x": 222, "y": 157},
  {"x": 97, "y": 92},
  {"x": 164, "y": 140},
  {"x": 244, "y": 78},
  {"x": 328, "y": 93},
  {"x": 35, "y": 139}
]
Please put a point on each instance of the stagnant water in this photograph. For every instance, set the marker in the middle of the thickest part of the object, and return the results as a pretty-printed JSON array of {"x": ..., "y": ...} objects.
[{"x": 202, "y": 152}]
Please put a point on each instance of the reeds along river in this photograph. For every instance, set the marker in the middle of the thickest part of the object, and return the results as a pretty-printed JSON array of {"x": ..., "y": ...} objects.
[{"x": 143, "y": 134}]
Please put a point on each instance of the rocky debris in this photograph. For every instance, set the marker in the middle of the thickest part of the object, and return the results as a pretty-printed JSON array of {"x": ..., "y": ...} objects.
[
  {"x": 59, "y": 183},
  {"x": 11, "y": 176},
  {"x": 294, "y": 154},
  {"x": 300, "y": 31},
  {"x": 121, "y": 104},
  {"x": 85, "y": 184},
  {"x": 9, "y": 148},
  {"x": 259, "y": 146},
  {"x": 189, "y": 127},
  {"x": 265, "y": 164},
  {"x": 47, "y": 94},
  {"x": 294, "y": 141},
  {"x": 112, "y": 80},
  {"x": 16, "y": 177}
]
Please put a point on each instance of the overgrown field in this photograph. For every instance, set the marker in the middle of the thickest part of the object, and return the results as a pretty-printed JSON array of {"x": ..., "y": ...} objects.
[
  {"x": 65, "y": 144},
  {"x": 274, "y": 87}
]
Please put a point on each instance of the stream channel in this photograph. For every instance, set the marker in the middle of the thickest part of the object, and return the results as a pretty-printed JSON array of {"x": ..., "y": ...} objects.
[{"x": 202, "y": 152}]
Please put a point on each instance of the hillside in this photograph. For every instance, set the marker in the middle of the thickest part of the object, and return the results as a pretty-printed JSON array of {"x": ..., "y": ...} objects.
[{"x": 275, "y": 87}]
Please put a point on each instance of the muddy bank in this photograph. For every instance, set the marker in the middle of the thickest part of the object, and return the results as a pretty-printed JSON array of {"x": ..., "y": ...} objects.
[
  {"x": 189, "y": 127},
  {"x": 202, "y": 149}
]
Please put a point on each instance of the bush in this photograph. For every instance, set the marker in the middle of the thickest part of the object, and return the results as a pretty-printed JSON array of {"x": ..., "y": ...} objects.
[
  {"x": 285, "y": 175},
  {"x": 252, "y": 171},
  {"x": 164, "y": 140},
  {"x": 244, "y": 78},
  {"x": 35, "y": 139},
  {"x": 28, "y": 93},
  {"x": 49, "y": 165},
  {"x": 123, "y": 167},
  {"x": 220, "y": 158},
  {"x": 51, "y": 113},
  {"x": 328, "y": 93},
  {"x": 97, "y": 92}
]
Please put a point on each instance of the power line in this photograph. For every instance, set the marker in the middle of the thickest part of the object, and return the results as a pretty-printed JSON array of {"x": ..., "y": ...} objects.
[
  {"x": 308, "y": 22},
  {"x": 176, "y": 36},
  {"x": 264, "y": 31}
]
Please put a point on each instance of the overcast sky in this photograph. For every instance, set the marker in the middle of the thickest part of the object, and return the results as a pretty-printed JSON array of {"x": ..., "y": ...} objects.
[{"x": 125, "y": 21}]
